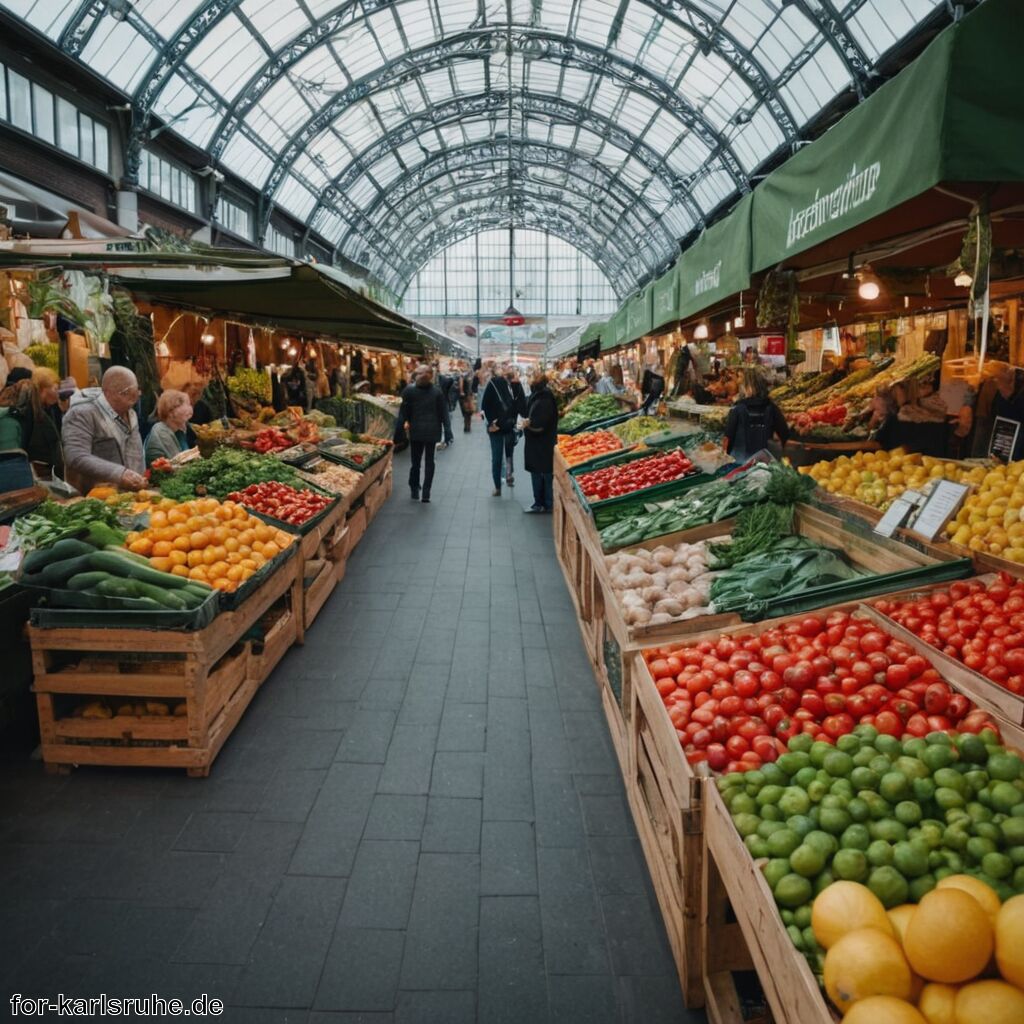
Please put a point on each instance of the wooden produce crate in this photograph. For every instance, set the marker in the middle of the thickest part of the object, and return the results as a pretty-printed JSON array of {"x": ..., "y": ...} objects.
[
  {"x": 377, "y": 493},
  {"x": 213, "y": 673},
  {"x": 324, "y": 554}
]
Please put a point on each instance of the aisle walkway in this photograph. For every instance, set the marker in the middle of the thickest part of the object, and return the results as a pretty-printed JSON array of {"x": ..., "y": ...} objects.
[{"x": 420, "y": 818}]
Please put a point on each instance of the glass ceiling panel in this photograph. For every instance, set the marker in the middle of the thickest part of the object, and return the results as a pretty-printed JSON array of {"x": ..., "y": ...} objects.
[{"x": 651, "y": 47}]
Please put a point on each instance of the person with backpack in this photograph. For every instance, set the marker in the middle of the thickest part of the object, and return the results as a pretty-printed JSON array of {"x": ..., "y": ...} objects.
[
  {"x": 424, "y": 411},
  {"x": 754, "y": 420},
  {"x": 503, "y": 403}
]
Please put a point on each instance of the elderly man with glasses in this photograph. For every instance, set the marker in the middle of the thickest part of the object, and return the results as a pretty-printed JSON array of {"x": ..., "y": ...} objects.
[{"x": 101, "y": 436}]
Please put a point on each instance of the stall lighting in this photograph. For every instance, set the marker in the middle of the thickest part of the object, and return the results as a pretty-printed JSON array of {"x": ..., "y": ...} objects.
[
  {"x": 207, "y": 338},
  {"x": 700, "y": 332},
  {"x": 963, "y": 280},
  {"x": 868, "y": 288},
  {"x": 740, "y": 322}
]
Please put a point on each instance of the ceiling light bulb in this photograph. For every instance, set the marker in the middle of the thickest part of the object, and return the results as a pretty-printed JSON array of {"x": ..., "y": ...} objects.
[
  {"x": 869, "y": 290},
  {"x": 740, "y": 321},
  {"x": 963, "y": 280},
  {"x": 207, "y": 338},
  {"x": 700, "y": 332}
]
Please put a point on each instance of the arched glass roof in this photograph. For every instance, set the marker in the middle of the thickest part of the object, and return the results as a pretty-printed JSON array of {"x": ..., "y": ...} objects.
[{"x": 393, "y": 128}]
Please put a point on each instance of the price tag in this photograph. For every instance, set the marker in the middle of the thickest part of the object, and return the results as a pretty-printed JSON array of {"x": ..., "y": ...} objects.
[
  {"x": 942, "y": 504},
  {"x": 895, "y": 516},
  {"x": 1004, "y": 438}
]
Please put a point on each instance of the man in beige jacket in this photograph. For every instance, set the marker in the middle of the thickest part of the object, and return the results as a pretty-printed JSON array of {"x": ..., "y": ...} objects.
[{"x": 101, "y": 436}]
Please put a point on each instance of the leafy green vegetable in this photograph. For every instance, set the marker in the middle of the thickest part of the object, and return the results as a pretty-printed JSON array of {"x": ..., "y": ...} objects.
[
  {"x": 637, "y": 428},
  {"x": 758, "y": 529},
  {"x": 226, "y": 470},
  {"x": 589, "y": 410}
]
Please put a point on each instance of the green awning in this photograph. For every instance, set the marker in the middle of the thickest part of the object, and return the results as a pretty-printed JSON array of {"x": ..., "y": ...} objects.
[
  {"x": 954, "y": 114},
  {"x": 665, "y": 298},
  {"x": 638, "y": 314},
  {"x": 619, "y": 328},
  {"x": 717, "y": 265},
  {"x": 594, "y": 332}
]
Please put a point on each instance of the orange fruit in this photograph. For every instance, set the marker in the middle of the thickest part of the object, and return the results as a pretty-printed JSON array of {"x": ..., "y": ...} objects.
[
  {"x": 258, "y": 558},
  {"x": 181, "y": 543},
  {"x": 194, "y": 558},
  {"x": 989, "y": 1002},
  {"x": 263, "y": 533},
  {"x": 866, "y": 962},
  {"x": 937, "y": 1002},
  {"x": 219, "y": 569},
  {"x": 197, "y": 539},
  {"x": 198, "y": 573},
  {"x": 247, "y": 573},
  {"x": 975, "y": 887},
  {"x": 209, "y": 555},
  {"x": 844, "y": 907},
  {"x": 176, "y": 517},
  {"x": 161, "y": 564},
  {"x": 231, "y": 544},
  {"x": 233, "y": 558},
  {"x": 178, "y": 558},
  {"x": 949, "y": 938},
  {"x": 222, "y": 584},
  {"x": 246, "y": 537},
  {"x": 162, "y": 548},
  {"x": 899, "y": 918},
  {"x": 249, "y": 564},
  {"x": 270, "y": 550},
  {"x": 1010, "y": 940},
  {"x": 234, "y": 573},
  {"x": 180, "y": 570},
  {"x": 158, "y": 519},
  {"x": 883, "y": 1010}
]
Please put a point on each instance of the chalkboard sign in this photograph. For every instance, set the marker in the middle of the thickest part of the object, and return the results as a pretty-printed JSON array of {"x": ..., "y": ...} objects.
[{"x": 1004, "y": 438}]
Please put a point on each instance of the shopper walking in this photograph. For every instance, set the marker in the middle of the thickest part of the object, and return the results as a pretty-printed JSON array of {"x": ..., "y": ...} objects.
[
  {"x": 422, "y": 414},
  {"x": 503, "y": 403},
  {"x": 467, "y": 393},
  {"x": 754, "y": 420},
  {"x": 540, "y": 431}
]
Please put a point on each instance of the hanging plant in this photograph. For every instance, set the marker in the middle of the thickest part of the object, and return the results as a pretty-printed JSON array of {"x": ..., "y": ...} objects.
[
  {"x": 775, "y": 299},
  {"x": 976, "y": 253},
  {"x": 133, "y": 334}
]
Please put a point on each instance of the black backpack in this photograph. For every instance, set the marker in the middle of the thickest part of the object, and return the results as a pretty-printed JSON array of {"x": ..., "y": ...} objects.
[{"x": 757, "y": 431}]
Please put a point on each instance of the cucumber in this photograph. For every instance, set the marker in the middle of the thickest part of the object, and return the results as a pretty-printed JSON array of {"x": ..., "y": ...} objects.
[
  {"x": 113, "y": 586},
  {"x": 100, "y": 535},
  {"x": 56, "y": 574},
  {"x": 87, "y": 580},
  {"x": 77, "y": 599},
  {"x": 168, "y": 598},
  {"x": 120, "y": 565},
  {"x": 190, "y": 597},
  {"x": 117, "y": 549},
  {"x": 39, "y": 559}
]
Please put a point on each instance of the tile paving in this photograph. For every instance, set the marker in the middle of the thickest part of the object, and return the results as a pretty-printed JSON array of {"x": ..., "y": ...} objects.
[{"x": 419, "y": 819}]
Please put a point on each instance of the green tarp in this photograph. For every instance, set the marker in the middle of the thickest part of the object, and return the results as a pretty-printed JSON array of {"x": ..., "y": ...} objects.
[
  {"x": 955, "y": 114},
  {"x": 665, "y": 298},
  {"x": 593, "y": 332},
  {"x": 638, "y": 314},
  {"x": 717, "y": 265}
]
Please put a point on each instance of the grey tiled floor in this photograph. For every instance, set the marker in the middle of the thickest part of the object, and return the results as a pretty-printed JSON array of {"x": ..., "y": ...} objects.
[{"x": 419, "y": 819}]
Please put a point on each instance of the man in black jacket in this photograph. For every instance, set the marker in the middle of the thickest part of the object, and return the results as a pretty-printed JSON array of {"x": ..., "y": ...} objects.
[
  {"x": 503, "y": 403},
  {"x": 423, "y": 412}
]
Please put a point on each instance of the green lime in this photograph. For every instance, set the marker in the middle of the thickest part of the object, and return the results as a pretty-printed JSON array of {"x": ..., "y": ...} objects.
[
  {"x": 842, "y": 787},
  {"x": 889, "y": 886},
  {"x": 769, "y": 794},
  {"x": 879, "y": 853},
  {"x": 742, "y": 803},
  {"x": 921, "y": 886},
  {"x": 952, "y": 860},
  {"x": 856, "y": 837},
  {"x": 834, "y": 820},
  {"x": 771, "y": 812},
  {"x": 1018, "y": 879},
  {"x": 1013, "y": 831},
  {"x": 931, "y": 834},
  {"x": 819, "y": 751},
  {"x": 866, "y": 733},
  {"x": 746, "y": 824},
  {"x": 828, "y": 844},
  {"x": 894, "y": 786},
  {"x": 823, "y": 881},
  {"x": 941, "y": 873},
  {"x": 801, "y": 743},
  {"x": 936, "y": 756},
  {"x": 850, "y": 865},
  {"x": 864, "y": 756},
  {"x": 1004, "y": 767},
  {"x": 947, "y": 798},
  {"x": 955, "y": 838},
  {"x": 911, "y": 767},
  {"x": 792, "y": 890},
  {"x": 766, "y": 828},
  {"x": 800, "y": 824},
  {"x": 807, "y": 860},
  {"x": 998, "y": 865},
  {"x": 864, "y": 778},
  {"x": 915, "y": 746},
  {"x": 908, "y": 812},
  {"x": 796, "y": 936},
  {"x": 848, "y": 744},
  {"x": 877, "y": 807},
  {"x": 786, "y": 914},
  {"x": 938, "y": 738},
  {"x": 794, "y": 801},
  {"x": 782, "y": 843},
  {"x": 1004, "y": 796},
  {"x": 972, "y": 748},
  {"x": 754, "y": 781},
  {"x": 950, "y": 778},
  {"x": 773, "y": 774},
  {"x": 858, "y": 809},
  {"x": 976, "y": 780},
  {"x": 910, "y": 859},
  {"x": 977, "y": 847},
  {"x": 802, "y": 916},
  {"x": 810, "y": 942},
  {"x": 757, "y": 846},
  {"x": 817, "y": 791},
  {"x": 880, "y": 764},
  {"x": 774, "y": 870},
  {"x": 837, "y": 764},
  {"x": 1016, "y": 854},
  {"x": 923, "y": 790},
  {"x": 957, "y": 814},
  {"x": 805, "y": 776},
  {"x": 988, "y": 830},
  {"x": 792, "y": 762},
  {"x": 889, "y": 829}
]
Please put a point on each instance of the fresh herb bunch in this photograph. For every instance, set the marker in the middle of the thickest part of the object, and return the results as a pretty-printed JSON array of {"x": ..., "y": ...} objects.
[
  {"x": 758, "y": 530},
  {"x": 226, "y": 470}
]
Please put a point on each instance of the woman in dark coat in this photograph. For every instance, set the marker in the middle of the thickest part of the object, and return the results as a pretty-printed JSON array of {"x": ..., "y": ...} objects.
[
  {"x": 540, "y": 429},
  {"x": 424, "y": 410}
]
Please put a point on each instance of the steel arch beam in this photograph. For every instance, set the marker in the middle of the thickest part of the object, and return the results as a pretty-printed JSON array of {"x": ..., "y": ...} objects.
[
  {"x": 533, "y": 219},
  {"x": 487, "y": 152},
  {"x": 479, "y": 44},
  {"x": 481, "y": 106},
  {"x": 612, "y": 256}
]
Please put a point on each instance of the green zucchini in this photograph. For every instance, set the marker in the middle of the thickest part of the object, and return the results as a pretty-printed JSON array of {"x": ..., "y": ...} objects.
[
  {"x": 100, "y": 535},
  {"x": 56, "y": 574},
  {"x": 87, "y": 580},
  {"x": 39, "y": 559},
  {"x": 168, "y": 598},
  {"x": 114, "y": 586},
  {"x": 119, "y": 565}
]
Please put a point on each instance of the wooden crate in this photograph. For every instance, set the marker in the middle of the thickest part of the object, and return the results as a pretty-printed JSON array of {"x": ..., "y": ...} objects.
[
  {"x": 213, "y": 671},
  {"x": 356, "y": 522},
  {"x": 789, "y": 985},
  {"x": 377, "y": 493}
]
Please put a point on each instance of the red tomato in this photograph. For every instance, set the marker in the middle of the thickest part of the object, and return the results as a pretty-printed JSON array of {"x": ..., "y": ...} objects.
[
  {"x": 837, "y": 725},
  {"x": 890, "y": 723},
  {"x": 896, "y": 677}
]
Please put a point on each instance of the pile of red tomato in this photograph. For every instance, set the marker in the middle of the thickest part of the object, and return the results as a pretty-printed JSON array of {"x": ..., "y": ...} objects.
[
  {"x": 628, "y": 477},
  {"x": 983, "y": 627},
  {"x": 735, "y": 702},
  {"x": 279, "y": 501}
]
